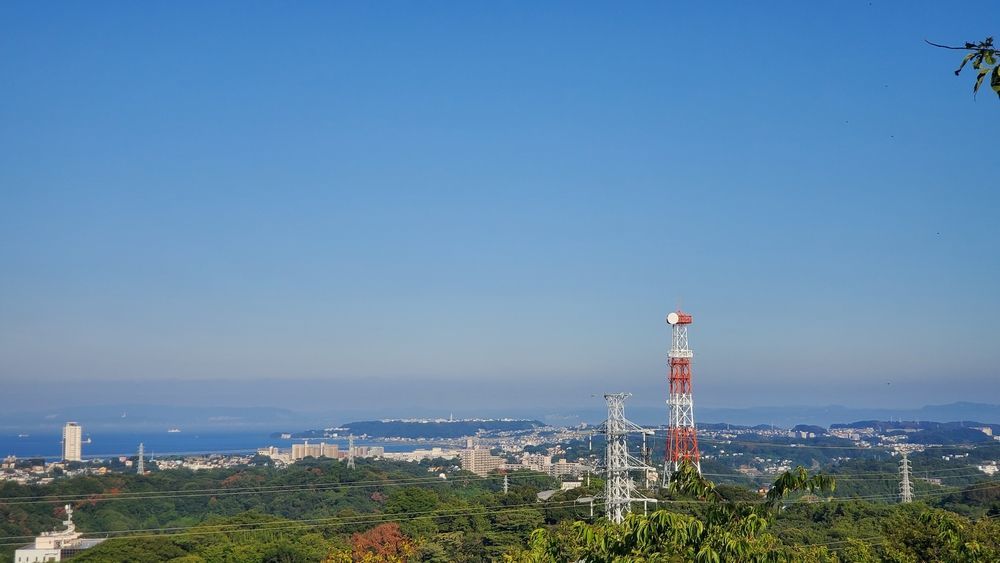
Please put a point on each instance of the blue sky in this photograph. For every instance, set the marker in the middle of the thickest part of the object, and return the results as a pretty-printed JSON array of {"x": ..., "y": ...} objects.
[{"x": 498, "y": 198}]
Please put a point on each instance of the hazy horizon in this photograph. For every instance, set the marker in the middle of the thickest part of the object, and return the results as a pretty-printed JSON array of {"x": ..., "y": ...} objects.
[{"x": 390, "y": 397}]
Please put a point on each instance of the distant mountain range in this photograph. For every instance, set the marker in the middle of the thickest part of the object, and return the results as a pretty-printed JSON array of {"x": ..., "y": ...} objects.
[
  {"x": 417, "y": 429},
  {"x": 787, "y": 417},
  {"x": 127, "y": 417},
  {"x": 433, "y": 429}
]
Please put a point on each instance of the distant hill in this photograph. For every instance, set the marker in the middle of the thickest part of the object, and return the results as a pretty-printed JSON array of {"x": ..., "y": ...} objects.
[
  {"x": 887, "y": 426},
  {"x": 817, "y": 430},
  {"x": 926, "y": 432},
  {"x": 789, "y": 416}
]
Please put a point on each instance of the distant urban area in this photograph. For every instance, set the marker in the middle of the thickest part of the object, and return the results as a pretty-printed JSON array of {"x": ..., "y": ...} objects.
[{"x": 481, "y": 446}]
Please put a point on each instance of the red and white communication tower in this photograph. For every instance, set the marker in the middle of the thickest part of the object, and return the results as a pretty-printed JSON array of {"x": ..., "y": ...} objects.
[{"x": 682, "y": 442}]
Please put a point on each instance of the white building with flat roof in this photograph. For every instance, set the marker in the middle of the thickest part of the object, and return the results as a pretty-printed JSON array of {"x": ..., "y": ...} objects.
[
  {"x": 56, "y": 545},
  {"x": 302, "y": 451},
  {"x": 72, "y": 442}
]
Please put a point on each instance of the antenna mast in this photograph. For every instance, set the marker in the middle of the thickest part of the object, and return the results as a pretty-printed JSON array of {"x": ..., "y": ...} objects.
[{"x": 682, "y": 441}]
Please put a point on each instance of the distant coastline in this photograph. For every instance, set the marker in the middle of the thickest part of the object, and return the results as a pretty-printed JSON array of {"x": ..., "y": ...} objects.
[{"x": 160, "y": 443}]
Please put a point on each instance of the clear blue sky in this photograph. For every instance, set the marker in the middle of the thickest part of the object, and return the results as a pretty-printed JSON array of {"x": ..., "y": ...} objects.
[{"x": 504, "y": 198}]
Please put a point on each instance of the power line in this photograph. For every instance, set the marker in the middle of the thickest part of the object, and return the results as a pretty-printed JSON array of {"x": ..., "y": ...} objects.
[
  {"x": 923, "y": 474},
  {"x": 320, "y": 487},
  {"x": 274, "y": 489},
  {"x": 378, "y": 518},
  {"x": 314, "y": 522}
]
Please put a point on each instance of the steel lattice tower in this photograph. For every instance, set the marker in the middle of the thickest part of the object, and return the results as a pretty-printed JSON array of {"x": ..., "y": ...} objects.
[
  {"x": 142, "y": 464},
  {"x": 619, "y": 488},
  {"x": 905, "y": 486},
  {"x": 682, "y": 442}
]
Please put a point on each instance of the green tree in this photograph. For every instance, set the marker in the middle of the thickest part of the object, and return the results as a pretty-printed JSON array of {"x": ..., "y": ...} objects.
[
  {"x": 985, "y": 60},
  {"x": 730, "y": 530}
]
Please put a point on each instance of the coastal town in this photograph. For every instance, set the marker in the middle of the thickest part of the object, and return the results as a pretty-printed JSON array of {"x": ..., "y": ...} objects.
[{"x": 561, "y": 452}]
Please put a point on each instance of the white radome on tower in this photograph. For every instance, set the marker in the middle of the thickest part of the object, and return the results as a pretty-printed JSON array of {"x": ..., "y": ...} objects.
[{"x": 672, "y": 318}]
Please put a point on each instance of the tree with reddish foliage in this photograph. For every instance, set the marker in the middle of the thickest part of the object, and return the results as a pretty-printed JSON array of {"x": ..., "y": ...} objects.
[{"x": 385, "y": 542}]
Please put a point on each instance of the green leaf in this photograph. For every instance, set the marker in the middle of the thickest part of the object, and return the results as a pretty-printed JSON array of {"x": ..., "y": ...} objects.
[
  {"x": 979, "y": 79},
  {"x": 995, "y": 80},
  {"x": 964, "y": 61}
]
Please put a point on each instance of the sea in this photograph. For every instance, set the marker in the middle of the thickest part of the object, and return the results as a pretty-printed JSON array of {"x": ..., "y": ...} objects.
[{"x": 161, "y": 443}]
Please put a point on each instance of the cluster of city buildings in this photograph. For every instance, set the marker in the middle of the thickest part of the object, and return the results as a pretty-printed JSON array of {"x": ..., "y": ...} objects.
[
  {"x": 477, "y": 459},
  {"x": 757, "y": 466},
  {"x": 34, "y": 471},
  {"x": 26, "y": 472},
  {"x": 298, "y": 452},
  {"x": 481, "y": 461},
  {"x": 421, "y": 454},
  {"x": 203, "y": 462}
]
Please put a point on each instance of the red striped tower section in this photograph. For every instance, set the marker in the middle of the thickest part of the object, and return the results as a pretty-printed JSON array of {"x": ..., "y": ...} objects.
[{"x": 682, "y": 442}]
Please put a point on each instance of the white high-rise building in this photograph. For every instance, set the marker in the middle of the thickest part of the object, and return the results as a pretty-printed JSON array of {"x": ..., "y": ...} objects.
[
  {"x": 480, "y": 461},
  {"x": 72, "y": 442}
]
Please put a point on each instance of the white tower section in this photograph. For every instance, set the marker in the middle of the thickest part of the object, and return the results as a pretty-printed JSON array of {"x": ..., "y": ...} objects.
[
  {"x": 619, "y": 487},
  {"x": 72, "y": 442},
  {"x": 141, "y": 470},
  {"x": 681, "y": 403}
]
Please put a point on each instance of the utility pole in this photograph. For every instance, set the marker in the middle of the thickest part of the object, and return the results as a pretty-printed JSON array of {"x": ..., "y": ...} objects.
[
  {"x": 505, "y": 483},
  {"x": 350, "y": 451},
  {"x": 905, "y": 486},
  {"x": 619, "y": 487},
  {"x": 142, "y": 463}
]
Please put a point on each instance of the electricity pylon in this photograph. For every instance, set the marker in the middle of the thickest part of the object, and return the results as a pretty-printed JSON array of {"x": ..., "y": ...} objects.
[
  {"x": 619, "y": 487},
  {"x": 350, "y": 451},
  {"x": 905, "y": 486}
]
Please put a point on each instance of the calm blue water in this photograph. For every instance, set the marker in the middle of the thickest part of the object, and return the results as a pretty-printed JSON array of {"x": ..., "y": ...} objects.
[{"x": 160, "y": 442}]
